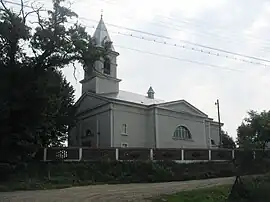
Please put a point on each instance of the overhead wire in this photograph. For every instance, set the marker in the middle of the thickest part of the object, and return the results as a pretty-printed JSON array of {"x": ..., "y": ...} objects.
[
  {"x": 178, "y": 58},
  {"x": 240, "y": 40},
  {"x": 177, "y": 27},
  {"x": 177, "y": 45},
  {"x": 184, "y": 46},
  {"x": 162, "y": 36},
  {"x": 185, "y": 41},
  {"x": 196, "y": 23}
]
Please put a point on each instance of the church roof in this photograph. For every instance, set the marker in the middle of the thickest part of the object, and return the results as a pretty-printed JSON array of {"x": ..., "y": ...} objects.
[
  {"x": 133, "y": 97},
  {"x": 101, "y": 34}
]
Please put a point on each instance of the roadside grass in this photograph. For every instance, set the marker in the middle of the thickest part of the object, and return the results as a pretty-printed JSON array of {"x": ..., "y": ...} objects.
[{"x": 212, "y": 194}]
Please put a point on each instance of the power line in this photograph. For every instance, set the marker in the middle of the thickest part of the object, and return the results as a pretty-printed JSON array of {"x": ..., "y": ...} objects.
[
  {"x": 177, "y": 45},
  {"x": 202, "y": 32},
  {"x": 227, "y": 39},
  {"x": 177, "y": 58},
  {"x": 184, "y": 47},
  {"x": 192, "y": 22},
  {"x": 188, "y": 42},
  {"x": 126, "y": 28},
  {"x": 162, "y": 36}
]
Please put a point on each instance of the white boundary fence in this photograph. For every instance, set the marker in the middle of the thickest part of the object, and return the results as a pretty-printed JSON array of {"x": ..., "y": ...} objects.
[{"x": 68, "y": 154}]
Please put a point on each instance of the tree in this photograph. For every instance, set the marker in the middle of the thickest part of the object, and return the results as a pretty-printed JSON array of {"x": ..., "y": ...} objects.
[
  {"x": 36, "y": 102},
  {"x": 227, "y": 141},
  {"x": 254, "y": 132}
]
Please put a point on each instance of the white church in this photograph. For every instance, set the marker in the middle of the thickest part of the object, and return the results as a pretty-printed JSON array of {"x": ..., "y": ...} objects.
[{"x": 110, "y": 117}]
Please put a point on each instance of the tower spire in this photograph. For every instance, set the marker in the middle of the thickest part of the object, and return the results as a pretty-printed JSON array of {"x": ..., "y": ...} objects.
[
  {"x": 101, "y": 34},
  {"x": 150, "y": 93}
]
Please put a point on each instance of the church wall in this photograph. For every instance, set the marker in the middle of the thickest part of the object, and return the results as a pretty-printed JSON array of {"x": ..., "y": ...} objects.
[
  {"x": 88, "y": 120},
  {"x": 99, "y": 122},
  {"x": 136, "y": 121},
  {"x": 207, "y": 132},
  {"x": 150, "y": 129},
  {"x": 89, "y": 85},
  {"x": 106, "y": 85},
  {"x": 168, "y": 122},
  {"x": 72, "y": 140},
  {"x": 214, "y": 133}
]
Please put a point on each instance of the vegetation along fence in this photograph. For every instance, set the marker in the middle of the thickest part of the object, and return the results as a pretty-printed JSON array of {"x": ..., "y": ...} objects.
[{"x": 90, "y": 154}]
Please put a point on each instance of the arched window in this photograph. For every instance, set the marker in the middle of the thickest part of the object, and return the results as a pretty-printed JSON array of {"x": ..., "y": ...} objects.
[
  {"x": 182, "y": 133},
  {"x": 107, "y": 66}
]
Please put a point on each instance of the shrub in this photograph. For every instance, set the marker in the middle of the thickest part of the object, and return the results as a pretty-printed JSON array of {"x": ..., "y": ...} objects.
[
  {"x": 38, "y": 175},
  {"x": 255, "y": 189}
]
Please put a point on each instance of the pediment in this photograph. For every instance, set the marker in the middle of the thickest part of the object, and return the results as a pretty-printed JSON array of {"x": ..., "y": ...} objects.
[
  {"x": 183, "y": 106},
  {"x": 88, "y": 102}
]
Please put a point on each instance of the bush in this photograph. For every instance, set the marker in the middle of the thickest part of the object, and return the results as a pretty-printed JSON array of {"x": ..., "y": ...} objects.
[
  {"x": 41, "y": 175},
  {"x": 256, "y": 189}
]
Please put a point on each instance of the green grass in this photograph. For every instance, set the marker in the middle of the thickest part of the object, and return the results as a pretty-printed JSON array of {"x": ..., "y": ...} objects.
[{"x": 213, "y": 194}]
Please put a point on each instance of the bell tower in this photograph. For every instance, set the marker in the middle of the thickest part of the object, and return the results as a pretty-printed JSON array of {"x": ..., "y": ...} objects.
[{"x": 103, "y": 79}]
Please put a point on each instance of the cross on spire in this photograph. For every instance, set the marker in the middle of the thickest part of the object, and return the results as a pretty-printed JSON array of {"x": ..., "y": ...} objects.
[{"x": 101, "y": 13}]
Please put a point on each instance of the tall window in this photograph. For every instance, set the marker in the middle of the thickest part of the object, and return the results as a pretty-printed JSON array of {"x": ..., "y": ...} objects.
[
  {"x": 181, "y": 132},
  {"x": 124, "y": 129},
  {"x": 107, "y": 66}
]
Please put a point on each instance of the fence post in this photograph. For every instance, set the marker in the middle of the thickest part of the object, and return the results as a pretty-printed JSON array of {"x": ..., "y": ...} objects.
[
  {"x": 45, "y": 154},
  {"x": 233, "y": 154},
  {"x": 209, "y": 155},
  {"x": 116, "y": 154},
  {"x": 80, "y": 154},
  {"x": 182, "y": 155},
  {"x": 151, "y": 155}
]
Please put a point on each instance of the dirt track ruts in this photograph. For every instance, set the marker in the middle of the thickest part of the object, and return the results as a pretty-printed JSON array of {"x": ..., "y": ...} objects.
[{"x": 119, "y": 192}]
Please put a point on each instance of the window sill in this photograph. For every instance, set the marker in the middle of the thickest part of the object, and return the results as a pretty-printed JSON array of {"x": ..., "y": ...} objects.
[
  {"x": 214, "y": 146},
  {"x": 124, "y": 134},
  {"x": 189, "y": 140}
]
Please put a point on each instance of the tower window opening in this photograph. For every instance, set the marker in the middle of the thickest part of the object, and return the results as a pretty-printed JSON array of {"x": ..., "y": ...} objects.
[{"x": 107, "y": 66}]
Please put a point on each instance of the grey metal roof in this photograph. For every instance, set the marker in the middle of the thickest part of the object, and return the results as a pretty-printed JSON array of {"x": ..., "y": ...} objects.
[
  {"x": 132, "y": 97},
  {"x": 101, "y": 34}
]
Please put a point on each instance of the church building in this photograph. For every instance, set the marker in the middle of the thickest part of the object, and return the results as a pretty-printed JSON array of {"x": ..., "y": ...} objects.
[{"x": 110, "y": 117}]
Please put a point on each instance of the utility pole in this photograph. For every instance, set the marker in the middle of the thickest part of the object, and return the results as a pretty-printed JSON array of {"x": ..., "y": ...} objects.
[{"x": 219, "y": 125}]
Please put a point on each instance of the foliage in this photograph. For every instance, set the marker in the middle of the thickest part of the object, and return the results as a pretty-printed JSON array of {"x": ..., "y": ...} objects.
[
  {"x": 36, "y": 102},
  {"x": 254, "y": 132},
  {"x": 255, "y": 189},
  {"x": 41, "y": 175},
  {"x": 227, "y": 141},
  {"x": 213, "y": 194}
]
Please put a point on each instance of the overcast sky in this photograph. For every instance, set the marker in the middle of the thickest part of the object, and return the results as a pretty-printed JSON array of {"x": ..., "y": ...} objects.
[{"x": 240, "y": 26}]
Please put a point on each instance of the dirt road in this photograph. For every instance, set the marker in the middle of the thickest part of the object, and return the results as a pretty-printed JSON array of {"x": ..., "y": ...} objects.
[{"x": 121, "y": 192}]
